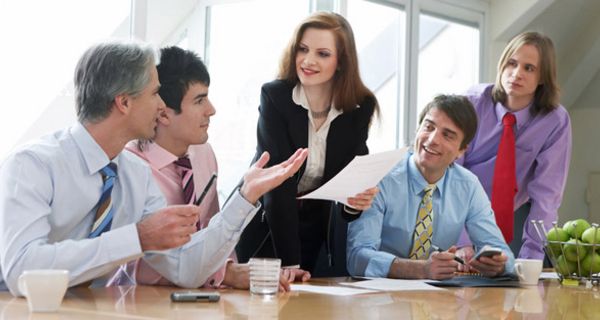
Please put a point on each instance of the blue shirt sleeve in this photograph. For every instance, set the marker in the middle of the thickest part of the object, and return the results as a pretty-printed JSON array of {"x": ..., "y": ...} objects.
[
  {"x": 364, "y": 241},
  {"x": 481, "y": 226}
]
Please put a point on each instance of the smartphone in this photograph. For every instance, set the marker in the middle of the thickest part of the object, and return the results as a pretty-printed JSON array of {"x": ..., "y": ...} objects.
[
  {"x": 488, "y": 251},
  {"x": 195, "y": 296}
]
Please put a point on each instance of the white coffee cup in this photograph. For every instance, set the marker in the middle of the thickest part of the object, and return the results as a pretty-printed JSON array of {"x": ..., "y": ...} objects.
[
  {"x": 528, "y": 270},
  {"x": 264, "y": 275},
  {"x": 44, "y": 289}
]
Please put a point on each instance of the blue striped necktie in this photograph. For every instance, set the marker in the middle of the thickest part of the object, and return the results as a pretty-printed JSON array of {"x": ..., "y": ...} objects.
[
  {"x": 187, "y": 179},
  {"x": 104, "y": 208}
]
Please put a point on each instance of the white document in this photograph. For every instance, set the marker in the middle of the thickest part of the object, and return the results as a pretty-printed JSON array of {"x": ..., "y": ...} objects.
[
  {"x": 385, "y": 284},
  {"x": 332, "y": 290},
  {"x": 548, "y": 275},
  {"x": 362, "y": 173}
]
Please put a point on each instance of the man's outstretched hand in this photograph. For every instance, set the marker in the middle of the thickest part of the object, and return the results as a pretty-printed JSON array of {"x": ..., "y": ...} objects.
[{"x": 259, "y": 180}]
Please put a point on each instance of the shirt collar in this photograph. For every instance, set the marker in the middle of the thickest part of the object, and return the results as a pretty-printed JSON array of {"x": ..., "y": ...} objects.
[
  {"x": 158, "y": 157},
  {"x": 522, "y": 115},
  {"x": 299, "y": 98},
  {"x": 418, "y": 182},
  {"x": 93, "y": 156}
]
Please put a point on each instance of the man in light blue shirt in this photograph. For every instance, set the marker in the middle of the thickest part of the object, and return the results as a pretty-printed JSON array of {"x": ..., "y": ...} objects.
[
  {"x": 381, "y": 240},
  {"x": 50, "y": 189}
]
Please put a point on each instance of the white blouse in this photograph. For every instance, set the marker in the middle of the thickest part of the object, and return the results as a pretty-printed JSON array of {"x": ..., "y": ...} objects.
[{"x": 317, "y": 143}]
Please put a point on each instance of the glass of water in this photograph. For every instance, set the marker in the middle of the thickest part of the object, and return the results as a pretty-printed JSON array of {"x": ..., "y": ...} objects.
[{"x": 264, "y": 275}]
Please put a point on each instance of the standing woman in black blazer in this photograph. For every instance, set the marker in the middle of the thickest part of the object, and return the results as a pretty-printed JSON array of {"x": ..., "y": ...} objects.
[{"x": 319, "y": 102}]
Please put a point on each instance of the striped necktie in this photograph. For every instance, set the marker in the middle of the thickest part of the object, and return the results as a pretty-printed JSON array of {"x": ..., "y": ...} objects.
[
  {"x": 423, "y": 227},
  {"x": 187, "y": 179},
  {"x": 104, "y": 211}
]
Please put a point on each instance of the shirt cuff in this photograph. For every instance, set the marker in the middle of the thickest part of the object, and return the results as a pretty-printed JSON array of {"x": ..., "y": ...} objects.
[
  {"x": 351, "y": 211},
  {"x": 216, "y": 280},
  {"x": 296, "y": 266},
  {"x": 379, "y": 264},
  {"x": 464, "y": 240},
  {"x": 123, "y": 243},
  {"x": 238, "y": 211}
]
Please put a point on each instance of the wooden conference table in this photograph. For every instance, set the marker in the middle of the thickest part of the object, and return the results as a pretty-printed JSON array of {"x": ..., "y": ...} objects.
[{"x": 548, "y": 300}]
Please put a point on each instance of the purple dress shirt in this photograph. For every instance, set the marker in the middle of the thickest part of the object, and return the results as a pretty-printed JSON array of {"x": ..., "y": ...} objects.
[{"x": 543, "y": 152}]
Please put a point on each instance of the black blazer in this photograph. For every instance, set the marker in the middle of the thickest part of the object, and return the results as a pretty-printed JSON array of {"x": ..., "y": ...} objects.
[{"x": 282, "y": 129}]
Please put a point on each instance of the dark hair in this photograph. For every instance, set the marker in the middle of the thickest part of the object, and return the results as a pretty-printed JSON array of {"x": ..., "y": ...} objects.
[
  {"x": 547, "y": 93},
  {"x": 348, "y": 88},
  {"x": 177, "y": 70},
  {"x": 107, "y": 70},
  {"x": 460, "y": 110}
]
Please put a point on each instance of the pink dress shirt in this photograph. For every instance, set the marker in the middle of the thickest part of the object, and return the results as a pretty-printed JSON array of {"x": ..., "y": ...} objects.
[{"x": 168, "y": 177}]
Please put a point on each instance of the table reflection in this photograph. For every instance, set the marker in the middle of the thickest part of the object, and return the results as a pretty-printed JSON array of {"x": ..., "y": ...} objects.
[{"x": 548, "y": 300}]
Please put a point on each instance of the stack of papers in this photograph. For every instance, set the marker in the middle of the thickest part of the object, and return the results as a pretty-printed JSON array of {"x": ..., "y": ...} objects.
[
  {"x": 384, "y": 284},
  {"x": 332, "y": 290}
]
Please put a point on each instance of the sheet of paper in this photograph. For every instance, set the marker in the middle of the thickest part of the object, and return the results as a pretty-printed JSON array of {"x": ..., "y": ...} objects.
[
  {"x": 362, "y": 173},
  {"x": 333, "y": 290},
  {"x": 548, "y": 275},
  {"x": 394, "y": 285}
]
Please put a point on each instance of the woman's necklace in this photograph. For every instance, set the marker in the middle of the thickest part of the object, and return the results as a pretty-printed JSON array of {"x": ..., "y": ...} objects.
[{"x": 320, "y": 114}]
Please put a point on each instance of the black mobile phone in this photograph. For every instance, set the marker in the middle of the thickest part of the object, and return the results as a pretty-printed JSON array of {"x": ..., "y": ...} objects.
[
  {"x": 488, "y": 251},
  {"x": 195, "y": 296}
]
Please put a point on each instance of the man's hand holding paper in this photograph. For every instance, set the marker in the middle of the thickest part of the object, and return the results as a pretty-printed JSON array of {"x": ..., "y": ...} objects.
[{"x": 363, "y": 200}]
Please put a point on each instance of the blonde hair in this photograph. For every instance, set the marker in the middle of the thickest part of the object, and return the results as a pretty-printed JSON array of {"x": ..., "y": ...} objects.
[{"x": 547, "y": 94}]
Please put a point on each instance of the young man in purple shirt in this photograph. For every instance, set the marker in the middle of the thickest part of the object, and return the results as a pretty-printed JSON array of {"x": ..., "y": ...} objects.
[{"x": 526, "y": 87}]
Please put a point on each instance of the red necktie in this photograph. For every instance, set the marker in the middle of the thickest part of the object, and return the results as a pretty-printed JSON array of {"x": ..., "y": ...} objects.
[{"x": 504, "y": 186}]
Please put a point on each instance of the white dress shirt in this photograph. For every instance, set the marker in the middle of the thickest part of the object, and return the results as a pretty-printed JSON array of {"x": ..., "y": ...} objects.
[{"x": 48, "y": 193}]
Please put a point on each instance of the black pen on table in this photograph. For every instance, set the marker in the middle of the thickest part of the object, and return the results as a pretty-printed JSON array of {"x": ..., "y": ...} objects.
[
  {"x": 457, "y": 259},
  {"x": 205, "y": 191}
]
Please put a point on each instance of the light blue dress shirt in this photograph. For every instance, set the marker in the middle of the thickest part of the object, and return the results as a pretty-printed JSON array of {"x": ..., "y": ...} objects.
[
  {"x": 385, "y": 231},
  {"x": 48, "y": 193}
]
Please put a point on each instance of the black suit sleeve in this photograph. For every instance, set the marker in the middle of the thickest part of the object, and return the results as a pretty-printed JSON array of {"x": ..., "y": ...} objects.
[{"x": 279, "y": 204}]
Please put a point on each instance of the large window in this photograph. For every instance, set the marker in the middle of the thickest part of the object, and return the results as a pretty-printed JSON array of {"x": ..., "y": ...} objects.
[
  {"x": 380, "y": 44},
  {"x": 409, "y": 50},
  {"x": 448, "y": 57},
  {"x": 41, "y": 42},
  {"x": 240, "y": 60}
]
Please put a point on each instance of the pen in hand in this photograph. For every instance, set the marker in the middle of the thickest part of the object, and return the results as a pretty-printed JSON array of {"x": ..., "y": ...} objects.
[
  {"x": 205, "y": 191},
  {"x": 457, "y": 259}
]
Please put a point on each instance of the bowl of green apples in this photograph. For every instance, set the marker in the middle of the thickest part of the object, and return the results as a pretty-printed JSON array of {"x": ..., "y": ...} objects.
[{"x": 573, "y": 250}]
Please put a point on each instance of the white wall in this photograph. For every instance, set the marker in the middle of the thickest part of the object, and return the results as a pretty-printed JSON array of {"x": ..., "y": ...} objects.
[{"x": 585, "y": 119}]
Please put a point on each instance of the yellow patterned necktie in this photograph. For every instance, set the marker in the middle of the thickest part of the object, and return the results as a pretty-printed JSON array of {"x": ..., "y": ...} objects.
[{"x": 423, "y": 227}]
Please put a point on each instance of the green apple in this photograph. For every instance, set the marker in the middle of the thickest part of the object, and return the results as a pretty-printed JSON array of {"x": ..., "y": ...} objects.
[
  {"x": 590, "y": 263},
  {"x": 576, "y": 227},
  {"x": 567, "y": 224},
  {"x": 574, "y": 250},
  {"x": 590, "y": 236},
  {"x": 556, "y": 234},
  {"x": 565, "y": 267}
]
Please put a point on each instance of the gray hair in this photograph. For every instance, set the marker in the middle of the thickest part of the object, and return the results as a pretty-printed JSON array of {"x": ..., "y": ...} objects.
[{"x": 107, "y": 70}]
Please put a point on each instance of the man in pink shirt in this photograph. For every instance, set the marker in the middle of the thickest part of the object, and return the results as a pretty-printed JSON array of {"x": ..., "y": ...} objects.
[{"x": 181, "y": 136}]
